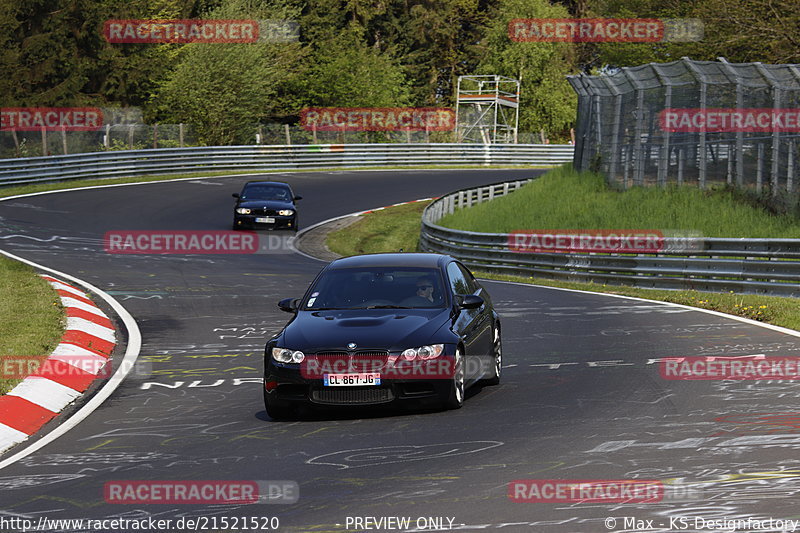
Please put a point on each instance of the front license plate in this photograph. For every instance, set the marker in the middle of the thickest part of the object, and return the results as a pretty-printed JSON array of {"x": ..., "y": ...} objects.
[
  {"x": 265, "y": 220},
  {"x": 352, "y": 380}
]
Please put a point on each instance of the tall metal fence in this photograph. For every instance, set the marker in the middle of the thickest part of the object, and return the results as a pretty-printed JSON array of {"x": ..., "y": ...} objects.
[{"x": 692, "y": 122}]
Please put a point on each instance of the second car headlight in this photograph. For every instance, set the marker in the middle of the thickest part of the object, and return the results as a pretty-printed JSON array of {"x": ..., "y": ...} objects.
[
  {"x": 423, "y": 352},
  {"x": 243, "y": 211},
  {"x": 285, "y": 355},
  {"x": 285, "y": 212}
]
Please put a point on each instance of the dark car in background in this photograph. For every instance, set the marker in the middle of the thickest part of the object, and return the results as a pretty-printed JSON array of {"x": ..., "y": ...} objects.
[
  {"x": 265, "y": 204},
  {"x": 382, "y": 329}
]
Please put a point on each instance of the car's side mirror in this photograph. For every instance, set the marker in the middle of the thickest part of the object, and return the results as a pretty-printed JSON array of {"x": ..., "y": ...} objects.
[
  {"x": 235, "y": 195},
  {"x": 469, "y": 301},
  {"x": 298, "y": 198},
  {"x": 290, "y": 305}
]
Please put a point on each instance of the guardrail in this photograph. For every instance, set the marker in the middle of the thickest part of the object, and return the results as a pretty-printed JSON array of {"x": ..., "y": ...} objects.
[
  {"x": 762, "y": 266},
  {"x": 233, "y": 158}
]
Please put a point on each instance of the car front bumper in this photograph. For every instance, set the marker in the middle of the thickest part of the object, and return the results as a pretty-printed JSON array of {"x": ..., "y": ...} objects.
[
  {"x": 287, "y": 385},
  {"x": 250, "y": 221}
]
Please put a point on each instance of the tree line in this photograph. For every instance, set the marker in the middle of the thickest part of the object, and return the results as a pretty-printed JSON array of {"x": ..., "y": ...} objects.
[{"x": 355, "y": 53}]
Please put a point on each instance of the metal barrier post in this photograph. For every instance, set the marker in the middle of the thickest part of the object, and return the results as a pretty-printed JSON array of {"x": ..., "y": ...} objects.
[
  {"x": 638, "y": 148},
  {"x": 663, "y": 161},
  {"x": 699, "y": 76},
  {"x": 776, "y": 136},
  {"x": 733, "y": 77}
]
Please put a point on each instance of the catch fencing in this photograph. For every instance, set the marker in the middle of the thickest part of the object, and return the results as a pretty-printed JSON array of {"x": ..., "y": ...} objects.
[
  {"x": 263, "y": 158},
  {"x": 761, "y": 266},
  {"x": 624, "y": 132}
]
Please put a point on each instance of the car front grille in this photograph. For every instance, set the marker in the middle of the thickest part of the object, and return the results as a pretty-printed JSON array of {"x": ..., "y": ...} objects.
[
  {"x": 360, "y": 353},
  {"x": 262, "y": 211},
  {"x": 361, "y": 361},
  {"x": 351, "y": 395}
]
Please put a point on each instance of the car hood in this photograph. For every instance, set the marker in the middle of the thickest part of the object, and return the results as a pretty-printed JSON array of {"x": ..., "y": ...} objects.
[
  {"x": 269, "y": 204},
  {"x": 369, "y": 329}
]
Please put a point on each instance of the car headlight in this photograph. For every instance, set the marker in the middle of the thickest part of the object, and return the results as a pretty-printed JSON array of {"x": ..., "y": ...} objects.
[
  {"x": 423, "y": 352},
  {"x": 285, "y": 212},
  {"x": 242, "y": 210},
  {"x": 285, "y": 355}
]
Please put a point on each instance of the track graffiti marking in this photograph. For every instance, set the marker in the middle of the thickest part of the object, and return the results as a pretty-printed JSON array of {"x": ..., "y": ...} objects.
[{"x": 400, "y": 454}]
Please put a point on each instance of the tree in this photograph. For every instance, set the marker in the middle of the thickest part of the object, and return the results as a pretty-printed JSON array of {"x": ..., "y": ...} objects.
[
  {"x": 432, "y": 40},
  {"x": 626, "y": 54},
  {"x": 127, "y": 74},
  {"x": 225, "y": 89},
  {"x": 749, "y": 30},
  {"x": 54, "y": 52},
  {"x": 44, "y": 65},
  {"x": 547, "y": 102},
  {"x": 740, "y": 30},
  {"x": 443, "y": 42},
  {"x": 345, "y": 72}
]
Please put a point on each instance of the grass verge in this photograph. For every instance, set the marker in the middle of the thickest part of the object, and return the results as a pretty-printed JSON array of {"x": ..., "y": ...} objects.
[
  {"x": 389, "y": 230},
  {"x": 31, "y": 319},
  {"x": 383, "y": 230},
  {"x": 565, "y": 199}
]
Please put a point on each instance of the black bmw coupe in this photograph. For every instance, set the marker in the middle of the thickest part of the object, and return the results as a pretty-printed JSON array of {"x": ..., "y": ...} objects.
[
  {"x": 384, "y": 328},
  {"x": 265, "y": 204}
]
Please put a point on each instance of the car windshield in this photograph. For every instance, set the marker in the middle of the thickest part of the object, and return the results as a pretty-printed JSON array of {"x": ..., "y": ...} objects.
[
  {"x": 376, "y": 288},
  {"x": 266, "y": 192}
]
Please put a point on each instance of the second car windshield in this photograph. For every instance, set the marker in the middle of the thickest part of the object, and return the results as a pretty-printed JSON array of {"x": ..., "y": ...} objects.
[
  {"x": 376, "y": 288},
  {"x": 266, "y": 192}
]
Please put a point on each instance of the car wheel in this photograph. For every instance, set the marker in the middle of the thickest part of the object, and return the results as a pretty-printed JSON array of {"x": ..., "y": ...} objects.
[
  {"x": 276, "y": 409},
  {"x": 455, "y": 398},
  {"x": 497, "y": 349}
]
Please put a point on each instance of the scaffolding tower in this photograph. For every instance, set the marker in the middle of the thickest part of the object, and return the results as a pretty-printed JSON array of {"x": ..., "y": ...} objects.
[{"x": 487, "y": 109}]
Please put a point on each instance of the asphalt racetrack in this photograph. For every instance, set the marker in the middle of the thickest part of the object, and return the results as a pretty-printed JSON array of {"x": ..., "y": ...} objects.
[{"x": 581, "y": 396}]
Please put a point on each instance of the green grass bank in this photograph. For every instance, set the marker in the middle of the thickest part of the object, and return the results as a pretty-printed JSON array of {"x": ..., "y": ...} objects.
[
  {"x": 565, "y": 199},
  {"x": 31, "y": 318},
  {"x": 562, "y": 199}
]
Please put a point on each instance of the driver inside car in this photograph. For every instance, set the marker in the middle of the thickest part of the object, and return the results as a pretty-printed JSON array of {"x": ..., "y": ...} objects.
[{"x": 424, "y": 293}]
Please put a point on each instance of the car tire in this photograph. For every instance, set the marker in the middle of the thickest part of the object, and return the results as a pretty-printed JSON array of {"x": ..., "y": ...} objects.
[
  {"x": 497, "y": 353},
  {"x": 277, "y": 409},
  {"x": 455, "y": 393}
]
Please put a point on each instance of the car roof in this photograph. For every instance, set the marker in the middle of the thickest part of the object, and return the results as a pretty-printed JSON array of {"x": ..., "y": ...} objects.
[
  {"x": 392, "y": 260},
  {"x": 267, "y": 183}
]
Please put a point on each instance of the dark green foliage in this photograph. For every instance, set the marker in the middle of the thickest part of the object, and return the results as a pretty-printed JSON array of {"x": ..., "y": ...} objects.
[{"x": 351, "y": 52}]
